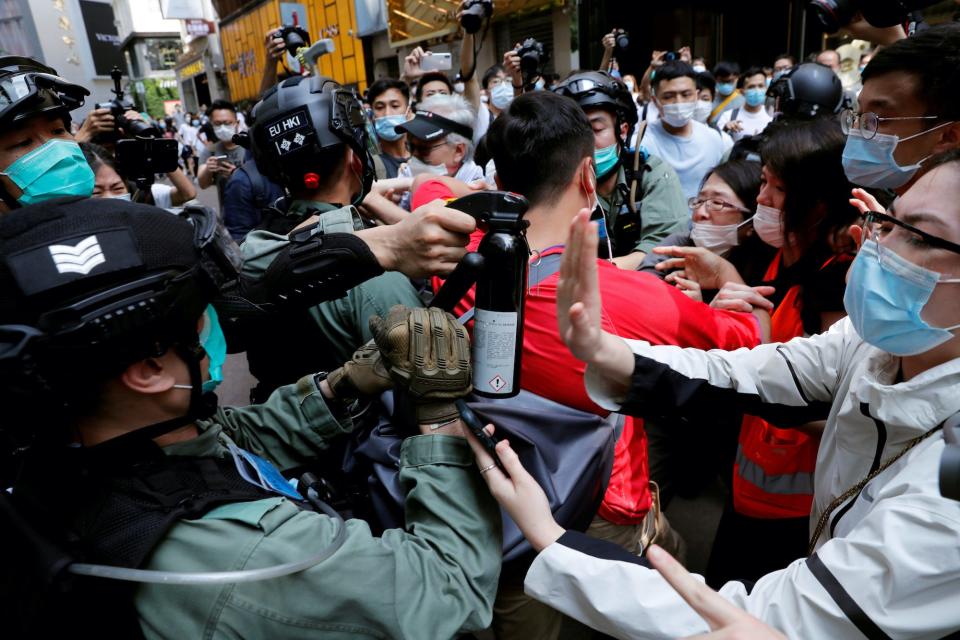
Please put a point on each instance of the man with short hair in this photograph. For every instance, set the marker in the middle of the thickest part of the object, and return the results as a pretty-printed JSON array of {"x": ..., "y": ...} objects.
[
  {"x": 690, "y": 147},
  {"x": 908, "y": 110},
  {"x": 639, "y": 194},
  {"x": 727, "y": 75},
  {"x": 752, "y": 118},
  {"x": 219, "y": 161},
  {"x": 390, "y": 101},
  {"x": 782, "y": 64}
]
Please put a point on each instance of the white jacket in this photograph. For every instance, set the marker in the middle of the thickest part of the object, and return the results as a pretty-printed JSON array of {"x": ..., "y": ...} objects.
[{"x": 888, "y": 563}]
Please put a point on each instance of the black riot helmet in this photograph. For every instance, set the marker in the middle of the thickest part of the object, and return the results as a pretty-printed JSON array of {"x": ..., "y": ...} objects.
[
  {"x": 598, "y": 89},
  {"x": 300, "y": 122},
  {"x": 89, "y": 286},
  {"x": 807, "y": 91},
  {"x": 29, "y": 88}
]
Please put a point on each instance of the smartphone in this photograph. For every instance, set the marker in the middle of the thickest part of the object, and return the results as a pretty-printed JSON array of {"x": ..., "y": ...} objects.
[
  {"x": 222, "y": 161},
  {"x": 436, "y": 62},
  {"x": 476, "y": 428}
]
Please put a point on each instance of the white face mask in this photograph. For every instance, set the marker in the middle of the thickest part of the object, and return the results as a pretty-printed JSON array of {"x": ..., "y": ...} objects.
[
  {"x": 458, "y": 87},
  {"x": 716, "y": 238},
  {"x": 629, "y": 84},
  {"x": 703, "y": 110},
  {"x": 699, "y": 68},
  {"x": 225, "y": 132},
  {"x": 768, "y": 223},
  {"x": 678, "y": 114},
  {"x": 501, "y": 95},
  {"x": 122, "y": 196},
  {"x": 418, "y": 166}
]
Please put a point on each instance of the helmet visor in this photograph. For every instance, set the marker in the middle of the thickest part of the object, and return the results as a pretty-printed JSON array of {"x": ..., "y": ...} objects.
[{"x": 23, "y": 93}]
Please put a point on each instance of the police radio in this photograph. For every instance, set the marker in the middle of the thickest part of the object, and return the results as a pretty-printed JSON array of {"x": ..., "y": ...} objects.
[{"x": 499, "y": 269}]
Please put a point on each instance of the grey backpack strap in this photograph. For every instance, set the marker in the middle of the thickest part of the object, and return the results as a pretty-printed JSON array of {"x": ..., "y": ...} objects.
[
  {"x": 380, "y": 169},
  {"x": 544, "y": 268}
]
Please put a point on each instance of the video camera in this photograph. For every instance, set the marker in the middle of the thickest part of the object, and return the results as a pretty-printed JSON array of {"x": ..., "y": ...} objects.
[
  {"x": 834, "y": 14},
  {"x": 532, "y": 58},
  {"x": 473, "y": 14},
  {"x": 140, "y": 153}
]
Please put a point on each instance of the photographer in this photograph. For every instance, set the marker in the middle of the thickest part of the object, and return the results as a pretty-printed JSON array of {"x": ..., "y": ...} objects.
[
  {"x": 137, "y": 467},
  {"x": 218, "y": 163},
  {"x": 109, "y": 183},
  {"x": 39, "y": 158}
]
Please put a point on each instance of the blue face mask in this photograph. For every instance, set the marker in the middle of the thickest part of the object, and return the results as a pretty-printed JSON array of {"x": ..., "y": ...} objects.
[
  {"x": 726, "y": 88},
  {"x": 606, "y": 159},
  {"x": 885, "y": 297},
  {"x": 215, "y": 344},
  {"x": 539, "y": 85},
  {"x": 385, "y": 127},
  {"x": 870, "y": 163},
  {"x": 755, "y": 97},
  {"x": 54, "y": 169}
]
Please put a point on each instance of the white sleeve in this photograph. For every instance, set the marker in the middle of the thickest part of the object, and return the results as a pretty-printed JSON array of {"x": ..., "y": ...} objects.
[
  {"x": 724, "y": 118},
  {"x": 786, "y": 383},
  {"x": 162, "y": 195},
  {"x": 894, "y": 575}
]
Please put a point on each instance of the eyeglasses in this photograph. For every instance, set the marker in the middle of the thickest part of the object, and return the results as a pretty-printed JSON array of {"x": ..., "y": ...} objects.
[
  {"x": 714, "y": 205},
  {"x": 421, "y": 150},
  {"x": 895, "y": 232},
  {"x": 869, "y": 123}
]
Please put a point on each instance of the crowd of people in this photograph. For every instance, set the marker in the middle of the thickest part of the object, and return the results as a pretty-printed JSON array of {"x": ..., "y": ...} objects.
[{"x": 745, "y": 274}]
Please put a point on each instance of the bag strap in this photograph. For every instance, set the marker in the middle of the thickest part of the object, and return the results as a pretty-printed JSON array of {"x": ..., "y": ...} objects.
[
  {"x": 379, "y": 168},
  {"x": 717, "y": 110},
  {"x": 855, "y": 490},
  {"x": 544, "y": 268},
  {"x": 638, "y": 156}
]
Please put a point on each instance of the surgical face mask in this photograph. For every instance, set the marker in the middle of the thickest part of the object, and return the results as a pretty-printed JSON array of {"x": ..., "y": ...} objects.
[
  {"x": 629, "y": 84},
  {"x": 699, "y": 68},
  {"x": 214, "y": 343},
  {"x": 386, "y": 127},
  {"x": 122, "y": 196},
  {"x": 195, "y": 123},
  {"x": 726, "y": 88},
  {"x": 501, "y": 95},
  {"x": 768, "y": 223},
  {"x": 418, "y": 166},
  {"x": 779, "y": 74},
  {"x": 606, "y": 159},
  {"x": 225, "y": 132},
  {"x": 703, "y": 110},
  {"x": 870, "y": 163},
  {"x": 539, "y": 85},
  {"x": 54, "y": 169},
  {"x": 716, "y": 238},
  {"x": 458, "y": 87},
  {"x": 755, "y": 97},
  {"x": 678, "y": 114},
  {"x": 884, "y": 298}
]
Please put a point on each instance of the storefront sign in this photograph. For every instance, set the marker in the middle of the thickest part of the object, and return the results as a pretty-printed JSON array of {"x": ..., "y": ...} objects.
[
  {"x": 194, "y": 68},
  {"x": 199, "y": 27},
  {"x": 102, "y": 35}
]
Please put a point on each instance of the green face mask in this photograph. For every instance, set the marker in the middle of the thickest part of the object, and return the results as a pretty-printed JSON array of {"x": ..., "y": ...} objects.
[
  {"x": 54, "y": 169},
  {"x": 606, "y": 160}
]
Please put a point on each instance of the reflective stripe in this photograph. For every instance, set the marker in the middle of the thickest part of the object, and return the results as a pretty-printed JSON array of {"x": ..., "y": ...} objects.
[{"x": 788, "y": 483}]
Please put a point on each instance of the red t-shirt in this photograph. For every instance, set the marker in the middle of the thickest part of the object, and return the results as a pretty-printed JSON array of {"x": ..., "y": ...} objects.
[{"x": 635, "y": 305}]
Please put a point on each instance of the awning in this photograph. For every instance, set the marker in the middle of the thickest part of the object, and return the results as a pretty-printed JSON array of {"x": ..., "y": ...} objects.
[{"x": 412, "y": 21}]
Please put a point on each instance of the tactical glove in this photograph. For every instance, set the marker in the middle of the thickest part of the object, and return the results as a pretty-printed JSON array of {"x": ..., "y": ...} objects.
[
  {"x": 427, "y": 353},
  {"x": 364, "y": 375}
]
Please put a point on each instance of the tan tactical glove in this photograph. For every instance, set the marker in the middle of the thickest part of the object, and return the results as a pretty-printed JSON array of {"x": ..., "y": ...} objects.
[
  {"x": 364, "y": 375},
  {"x": 428, "y": 354}
]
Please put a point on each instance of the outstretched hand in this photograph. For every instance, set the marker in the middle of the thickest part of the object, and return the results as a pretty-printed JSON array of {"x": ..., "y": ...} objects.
[
  {"x": 579, "y": 308},
  {"x": 727, "y": 622}
]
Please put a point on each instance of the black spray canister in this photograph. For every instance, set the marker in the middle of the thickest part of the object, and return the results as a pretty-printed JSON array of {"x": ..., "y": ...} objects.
[{"x": 501, "y": 291}]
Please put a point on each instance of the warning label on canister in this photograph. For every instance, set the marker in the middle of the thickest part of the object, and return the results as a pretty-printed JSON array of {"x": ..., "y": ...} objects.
[{"x": 494, "y": 344}]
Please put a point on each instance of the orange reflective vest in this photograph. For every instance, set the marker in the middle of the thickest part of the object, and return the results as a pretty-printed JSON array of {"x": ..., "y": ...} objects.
[{"x": 773, "y": 470}]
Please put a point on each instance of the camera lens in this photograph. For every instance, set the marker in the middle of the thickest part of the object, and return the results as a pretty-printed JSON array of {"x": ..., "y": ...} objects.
[
  {"x": 137, "y": 129},
  {"x": 832, "y": 14},
  {"x": 293, "y": 41},
  {"x": 623, "y": 41}
]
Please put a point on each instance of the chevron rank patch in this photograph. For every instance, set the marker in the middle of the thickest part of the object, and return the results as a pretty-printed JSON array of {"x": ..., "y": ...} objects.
[{"x": 43, "y": 268}]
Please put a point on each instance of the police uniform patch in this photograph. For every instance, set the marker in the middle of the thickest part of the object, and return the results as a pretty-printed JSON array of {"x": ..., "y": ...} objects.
[{"x": 290, "y": 132}]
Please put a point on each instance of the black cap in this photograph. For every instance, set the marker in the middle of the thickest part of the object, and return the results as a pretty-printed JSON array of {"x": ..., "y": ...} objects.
[{"x": 427, "y": 125}]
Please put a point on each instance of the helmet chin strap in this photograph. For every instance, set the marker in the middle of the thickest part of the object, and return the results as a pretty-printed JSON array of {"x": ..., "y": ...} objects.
[{"x": 202, "y": 406}]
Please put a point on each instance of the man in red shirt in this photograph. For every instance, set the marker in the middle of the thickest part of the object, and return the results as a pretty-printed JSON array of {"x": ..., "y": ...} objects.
[{"x": 543, "y": 148}]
